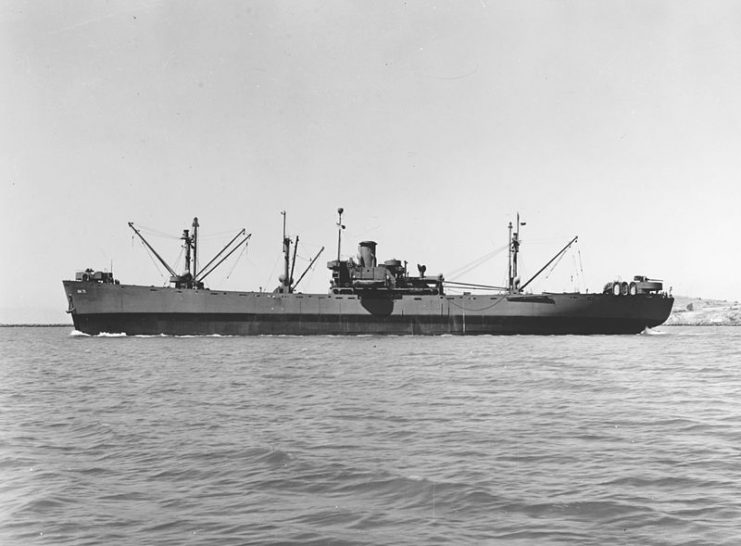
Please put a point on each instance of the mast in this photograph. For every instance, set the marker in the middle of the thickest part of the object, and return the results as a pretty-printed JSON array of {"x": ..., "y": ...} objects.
[
  {"x": 514, "y": 249},
  {"x": 340, "y": 227},
  {"x": 191, "y": 277},
  {"x": 187, "y": 241},
  {"x": 509, "y": 259},
  {"x": 194, "y": 242},
  {"x": 293, "y": 265},
  {"x": 191, "y": 245},
  {"x": 286, "y": 280}
]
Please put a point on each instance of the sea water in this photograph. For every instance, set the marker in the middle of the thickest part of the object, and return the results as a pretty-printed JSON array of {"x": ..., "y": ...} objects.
[{"x": 371, "y": 440}]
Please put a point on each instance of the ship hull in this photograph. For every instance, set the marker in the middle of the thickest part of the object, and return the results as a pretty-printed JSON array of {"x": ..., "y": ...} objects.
[{"x": 140, "y": 310}]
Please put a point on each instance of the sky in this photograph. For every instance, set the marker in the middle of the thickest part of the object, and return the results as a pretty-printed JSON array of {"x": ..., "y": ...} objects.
[{"x": 431, "y": 123}]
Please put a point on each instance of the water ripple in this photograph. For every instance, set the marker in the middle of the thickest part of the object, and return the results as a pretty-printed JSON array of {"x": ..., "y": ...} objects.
[{"x": 368, "y": 440}]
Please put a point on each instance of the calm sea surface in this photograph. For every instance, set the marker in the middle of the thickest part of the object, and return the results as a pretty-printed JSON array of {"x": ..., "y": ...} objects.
[{"x": 371, "y": 440}]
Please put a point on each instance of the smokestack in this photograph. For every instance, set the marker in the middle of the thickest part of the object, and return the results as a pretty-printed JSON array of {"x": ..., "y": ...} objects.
[{"x": 367, "y": 251}]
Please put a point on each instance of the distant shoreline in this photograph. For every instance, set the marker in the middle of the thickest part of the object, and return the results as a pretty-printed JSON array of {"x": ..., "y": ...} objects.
[
  {"x": 28, "y": 325},
  {"x": 673, "y": 324}
]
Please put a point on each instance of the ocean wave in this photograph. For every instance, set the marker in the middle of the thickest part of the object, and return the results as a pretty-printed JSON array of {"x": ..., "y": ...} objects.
[
  {"x": 652, "y": 332},
  {"x": 339, "y": 440}
]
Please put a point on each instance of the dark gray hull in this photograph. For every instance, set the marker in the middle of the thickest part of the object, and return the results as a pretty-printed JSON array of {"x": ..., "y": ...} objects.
[{"x": 139, "y": 310}]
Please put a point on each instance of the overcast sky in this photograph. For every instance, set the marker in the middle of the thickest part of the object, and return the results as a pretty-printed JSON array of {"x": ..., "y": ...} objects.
[{"x": 431, "y": 123}]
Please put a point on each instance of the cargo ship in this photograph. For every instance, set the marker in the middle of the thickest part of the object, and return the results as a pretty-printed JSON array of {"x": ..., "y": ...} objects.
[{"x": 364, "y": 297}]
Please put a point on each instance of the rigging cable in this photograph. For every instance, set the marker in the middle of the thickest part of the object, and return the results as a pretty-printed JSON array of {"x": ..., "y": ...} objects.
[
  {"x": 214, "y": 235},
  {"x": 553, "y": 266},
  {"x": 157, "y": 233},
  {"x": 180, "y": 256},
  {"x": 467, "y": 268},
  {"x": 243, "y": 253},
  {"x": 272, "y": 271},
  {"x": 151, "y": 257},
  {"x": 311, "y": 271}
]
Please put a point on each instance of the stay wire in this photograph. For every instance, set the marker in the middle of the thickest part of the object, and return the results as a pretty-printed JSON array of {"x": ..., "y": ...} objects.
[
  {"x": 241, "y": 254},
  {"x": 151, "y": 257},
  {"x": 467, "y": 268},
  {"x": 151, "y": 231}
]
